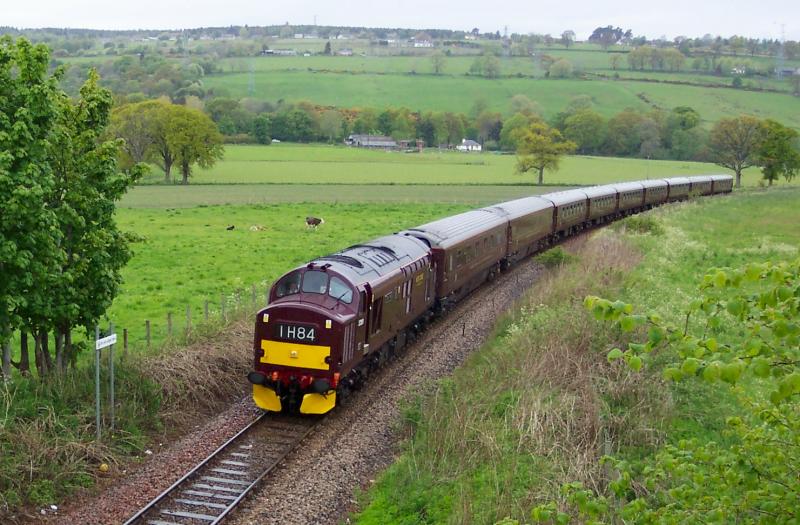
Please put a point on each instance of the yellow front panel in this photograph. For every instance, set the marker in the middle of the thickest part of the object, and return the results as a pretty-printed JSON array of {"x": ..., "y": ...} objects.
[
  {"x": 295, "y": 355},
  {"x": 318, "y": 403},
  {"x": 266, "y": 398}
]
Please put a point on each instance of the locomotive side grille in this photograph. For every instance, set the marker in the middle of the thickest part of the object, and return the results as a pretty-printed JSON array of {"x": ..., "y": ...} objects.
[{"x": 347, "y": 350}]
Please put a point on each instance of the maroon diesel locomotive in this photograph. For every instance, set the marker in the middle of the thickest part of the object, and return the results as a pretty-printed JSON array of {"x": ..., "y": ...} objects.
[{"x": 331, "y": 322}]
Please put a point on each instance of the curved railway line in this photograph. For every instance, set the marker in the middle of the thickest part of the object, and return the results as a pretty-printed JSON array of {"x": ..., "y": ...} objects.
[{"x": 212, "y": 489}]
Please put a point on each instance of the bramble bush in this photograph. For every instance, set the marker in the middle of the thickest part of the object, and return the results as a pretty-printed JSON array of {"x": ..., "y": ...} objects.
[{"x": 741, "y": 331}]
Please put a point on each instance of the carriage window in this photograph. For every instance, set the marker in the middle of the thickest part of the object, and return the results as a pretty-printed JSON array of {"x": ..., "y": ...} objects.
[
  {"x": 288, "y": 285},
  {"x": 339, "y": 290},
  {"x": 315, "y": 282}
]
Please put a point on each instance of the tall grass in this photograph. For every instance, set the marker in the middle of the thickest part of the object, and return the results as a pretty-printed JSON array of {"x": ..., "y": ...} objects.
[{"x": 534, "y": 408}]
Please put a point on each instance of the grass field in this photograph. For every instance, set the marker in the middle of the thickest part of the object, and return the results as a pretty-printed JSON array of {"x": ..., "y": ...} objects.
[
  {"x": 188, "y": 256},
  {"x": 534, "y": 407},
  {"x": 459, "y": 93},
  {"x": 176, "y": 196},
  {"x": 320, "y": 164}
]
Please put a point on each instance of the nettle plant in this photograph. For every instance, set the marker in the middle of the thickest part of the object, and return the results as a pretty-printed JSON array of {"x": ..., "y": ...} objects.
[{"x": 742, "y": 331}]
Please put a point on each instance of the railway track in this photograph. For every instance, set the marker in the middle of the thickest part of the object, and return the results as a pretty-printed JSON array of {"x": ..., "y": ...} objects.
[{"x": 213, "y": 488}]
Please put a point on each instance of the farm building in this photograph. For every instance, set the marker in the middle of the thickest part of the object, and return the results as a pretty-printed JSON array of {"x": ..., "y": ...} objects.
[
  {"x": 371, "y": 141},
  {"x": 468, "y": 145}
]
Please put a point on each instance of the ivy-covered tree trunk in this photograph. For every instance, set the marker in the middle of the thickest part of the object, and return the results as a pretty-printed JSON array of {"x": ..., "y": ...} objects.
[
  {"x": 541, "y": 176},
  {"x": 44, "y": 335},
  {"x": 167, "y": 170},
  {"x": 185, "y": 172},
  {"x": 24, "y": 365},
  {"x": 6, "y": 368},
  {"x": 41, "y": 366}
]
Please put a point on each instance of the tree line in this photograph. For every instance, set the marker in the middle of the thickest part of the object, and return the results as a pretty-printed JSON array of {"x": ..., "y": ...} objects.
[
  {"x": 734, "y": 143},
  {"x": 61, "y": 252}
]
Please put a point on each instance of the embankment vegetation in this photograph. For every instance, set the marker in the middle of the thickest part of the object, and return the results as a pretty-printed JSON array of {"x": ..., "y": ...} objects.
[{"x": 518, "y": 433}]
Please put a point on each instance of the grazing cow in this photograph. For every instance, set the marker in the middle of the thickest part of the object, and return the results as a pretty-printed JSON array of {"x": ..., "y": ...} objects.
[
  {"x": 313, "y": 222},
  {"x": 231, "y": 227}
]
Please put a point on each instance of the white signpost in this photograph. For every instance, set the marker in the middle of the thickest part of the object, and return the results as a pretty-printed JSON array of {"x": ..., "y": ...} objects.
[{"x": 99, "y": 344}]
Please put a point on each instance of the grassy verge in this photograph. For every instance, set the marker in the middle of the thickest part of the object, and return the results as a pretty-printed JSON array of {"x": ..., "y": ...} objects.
[{"x": 540, "y": 404}]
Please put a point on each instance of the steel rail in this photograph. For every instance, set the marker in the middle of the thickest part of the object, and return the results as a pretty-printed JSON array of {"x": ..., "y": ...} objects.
[{"x": 232, "y": 495}]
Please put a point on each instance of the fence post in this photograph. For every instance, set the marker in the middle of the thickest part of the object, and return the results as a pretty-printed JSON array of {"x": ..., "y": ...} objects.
[
  {"x": 147, "y": 332},
  {"x": 188, "y": 319},
  {"x": 169, "y": 324},
  {"x": 97, "y": 383},
  {"x": 205, "y": 309},
  {"x": 111, "y": 379},
  {"x": 124, "y": 343}
]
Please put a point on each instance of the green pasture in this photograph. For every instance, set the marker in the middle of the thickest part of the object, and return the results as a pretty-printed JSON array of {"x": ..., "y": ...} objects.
[
  {"x": 322, "y": 164},
  {"x": 176, "y": 196},
  {"x": 459, "y": 93},
  {"x": 187, "y": 256}
]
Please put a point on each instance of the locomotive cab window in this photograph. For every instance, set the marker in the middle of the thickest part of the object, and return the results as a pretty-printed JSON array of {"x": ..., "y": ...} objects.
[
  {"x": 315, "y": 282},
  {"x": 288, "y": 285},
  {"x": 340, "y": 290}
]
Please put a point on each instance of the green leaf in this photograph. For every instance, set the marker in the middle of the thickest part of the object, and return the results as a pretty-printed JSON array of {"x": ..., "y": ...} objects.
[
  {"x": 614, "y": 354},
  {"x": 720, "y": 278},
  {"x": 672, "y": 374},
  {"x": 690, "y": 366},
  {"x": 635, "y": 362},
  {"x": 761, "y": 367},
  {"x": 712, "y": 372}
]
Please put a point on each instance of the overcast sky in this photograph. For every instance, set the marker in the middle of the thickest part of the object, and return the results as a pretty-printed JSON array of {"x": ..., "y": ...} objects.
[{"x": 762, "y": 18}]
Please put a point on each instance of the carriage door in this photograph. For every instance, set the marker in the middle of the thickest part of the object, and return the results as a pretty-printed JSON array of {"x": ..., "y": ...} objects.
[{"x": 361, "y": 322}]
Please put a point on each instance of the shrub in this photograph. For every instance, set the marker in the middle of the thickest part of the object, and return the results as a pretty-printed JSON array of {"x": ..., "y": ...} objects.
[
  {"x": 555, "y": 257},
  {"x": 641, "y": 224}
]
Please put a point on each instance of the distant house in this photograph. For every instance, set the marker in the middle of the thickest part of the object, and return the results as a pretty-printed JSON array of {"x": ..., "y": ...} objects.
[
  {"x": 279, "y": 52},
  {"x": 423, "y": 40},
  {"x": 468, "y": 145},
  {"x": 371, "y": 141}
]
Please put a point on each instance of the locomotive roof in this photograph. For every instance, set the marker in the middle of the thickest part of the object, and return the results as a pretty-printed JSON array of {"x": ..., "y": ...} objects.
[
  {"x": 519, "y": 207},
  {"x": 562, "y": 198},
  {"x": 366, "y": 262},
  {"x": 451, "y": 230}
]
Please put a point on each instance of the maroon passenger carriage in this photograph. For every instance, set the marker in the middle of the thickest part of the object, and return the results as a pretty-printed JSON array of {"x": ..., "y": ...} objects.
[{"x": 331, "y": 322}]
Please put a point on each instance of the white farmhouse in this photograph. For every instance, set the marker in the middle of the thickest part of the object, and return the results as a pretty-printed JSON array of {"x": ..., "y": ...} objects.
[{"x": 468, "y": 145}]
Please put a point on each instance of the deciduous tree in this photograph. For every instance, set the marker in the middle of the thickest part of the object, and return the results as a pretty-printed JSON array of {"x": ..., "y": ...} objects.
[
  {"x": 438, "y": 62},
  {"x": 540, "y": 148},
  {"x": 734, "y": 144},
  {"x": 194, "y": 139},
  {"x": 29, "y": 234},
  {"x": 586, "y": 128},
  {"x": 88, "y": 184},
  {"x": 778, "y": 153}
]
